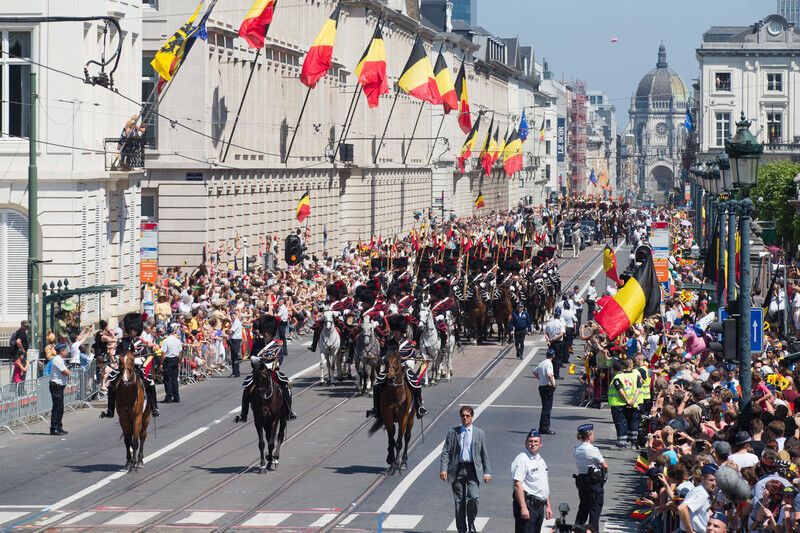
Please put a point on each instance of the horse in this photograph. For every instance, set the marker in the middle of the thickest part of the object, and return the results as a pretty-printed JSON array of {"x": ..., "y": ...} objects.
[
  {"x": 269, "y": 414},
  {"x": 134, "y": 416},
  {"x": 503, "y": 307},
  {"x": 560, "y": 239},
  {"x": 445, "y": 369},
  {"x": 330, "y": 355},
  {"x": 367, "y": 355},
  {"x": 429, "y": 342},
  {"x": 577, "y": 241},
  {"x": 477, "y": 317},
  {"x": 397, "y": 408}
]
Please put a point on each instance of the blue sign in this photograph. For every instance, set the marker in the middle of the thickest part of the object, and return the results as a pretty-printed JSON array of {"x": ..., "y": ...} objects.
[
  {"x": 756, "y": 325},
  {"x": 561, "y": 139},
  {"x": 723, "y": 314}
]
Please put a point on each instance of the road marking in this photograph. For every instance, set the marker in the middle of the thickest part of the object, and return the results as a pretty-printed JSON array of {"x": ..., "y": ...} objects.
[
  {"x": 480, "y": 523},
  {"x": 8, "y": 516},
  {"x": 412, "y": 476},
  {"x": 349, "y": 518},
  {"x": 555, "y": 407},
  {"x": 323, "y": 520},
  {"x": 402, "y": 521},
  {"x": 132, "y": 518},
  {"x": 79, "y": 517},
  {"x": 267, "y": 519},
  {"x": 200, "y": 517},
  {"x": 307, "y": 343},
  {"x": 55, "y": 518},
  {"x": 22, "y": 506}
]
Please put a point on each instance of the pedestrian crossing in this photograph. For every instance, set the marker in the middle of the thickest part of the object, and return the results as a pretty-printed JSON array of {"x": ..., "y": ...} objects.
[{"x": 122, "y": 519}]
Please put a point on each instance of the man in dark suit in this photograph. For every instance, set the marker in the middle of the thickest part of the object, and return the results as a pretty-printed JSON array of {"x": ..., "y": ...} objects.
[{"x": 464, "y": 462}]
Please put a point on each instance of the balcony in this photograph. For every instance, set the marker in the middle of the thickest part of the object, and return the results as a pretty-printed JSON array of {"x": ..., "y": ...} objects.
[{"x": 124, "y": 156}]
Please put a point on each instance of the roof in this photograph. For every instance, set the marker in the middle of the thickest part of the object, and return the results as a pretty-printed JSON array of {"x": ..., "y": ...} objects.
[
  {"x": 717, "y": 34},
  {"x": 661, "y": 83}
]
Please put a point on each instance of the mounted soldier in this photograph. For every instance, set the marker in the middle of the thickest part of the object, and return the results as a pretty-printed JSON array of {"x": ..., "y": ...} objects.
[
  {"x": 132, "y": 327},
  {"x": 267, "y": 350},
  {"x": 398, "y": 327},
  {"x": 338, "y": 301}
]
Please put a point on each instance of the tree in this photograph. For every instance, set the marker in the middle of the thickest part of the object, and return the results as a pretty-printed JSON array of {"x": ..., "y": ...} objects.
[{"x": 774, "y": 197}]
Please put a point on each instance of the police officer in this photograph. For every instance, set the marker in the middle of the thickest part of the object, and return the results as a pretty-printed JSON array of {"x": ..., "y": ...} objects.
[
  {"x": 645, "y": 400},
  {"x": 592, "y": 471},
  {"x": 531, "y": 499},
  {"x": 623, "y": 397}
]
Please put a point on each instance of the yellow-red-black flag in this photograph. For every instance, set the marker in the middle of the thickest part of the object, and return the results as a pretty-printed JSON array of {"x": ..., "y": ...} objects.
[
  {"x": 469, "y": 145},
  {"x": 320, "y": 56},
  {"x": 417, "y": 78},
  {"x": 464, "y": 116},
  {"x": 371, "y": 69},
  {"x": 445, "y": 83}
]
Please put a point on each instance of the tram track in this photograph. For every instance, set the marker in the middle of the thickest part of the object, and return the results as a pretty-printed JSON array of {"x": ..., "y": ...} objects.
[{"x": 381, "y": 478}]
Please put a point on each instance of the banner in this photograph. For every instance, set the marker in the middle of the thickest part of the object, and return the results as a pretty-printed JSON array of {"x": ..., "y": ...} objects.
[
  {"x": 561, "y": 139},
  {"x": 148, "y": 252}
]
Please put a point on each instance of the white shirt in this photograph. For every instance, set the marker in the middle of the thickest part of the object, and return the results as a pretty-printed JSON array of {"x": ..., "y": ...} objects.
[
  {"x": 568, "y": 317},
  {"x": 591, "y": 294},
  {"x": 554, "y": 327},
  {"x": 531, "y": 471},
  {"x": 744, "y": 460},
  {"x": 236, "y": 329},
  {"x": 171, "y": 346},
  {"x": 587, "y": 454},
  {"x": 283, "y": 313},
  {"x": 465, "y": 440},
  {"x": 56, "y": 368},
  {"x": 75, "y": 354},
  {"x": 699, "y": 502},
  {"x": 544, "y": 369}
]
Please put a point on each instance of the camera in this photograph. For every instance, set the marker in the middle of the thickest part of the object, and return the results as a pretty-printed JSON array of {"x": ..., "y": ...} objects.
[{"x": 561, "y": 525}]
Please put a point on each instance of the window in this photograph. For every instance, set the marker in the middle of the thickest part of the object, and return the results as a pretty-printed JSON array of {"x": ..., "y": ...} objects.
[
  {"x": 547, "y": 172},
  {"x": 149, "y": 79},
  {"x": 774, "y": 127},
  {"x": 13, "y": 265},
  {"x": 722, "y": 128},
  {"x": 15, "y": 74},
  {"x": 148, "y": 206},
  {"x": 547, "y": 147},
  {"x": 722, "y": 81},
  {"x": 775, "y": 82},
  {"x": 547, "y": 124}
]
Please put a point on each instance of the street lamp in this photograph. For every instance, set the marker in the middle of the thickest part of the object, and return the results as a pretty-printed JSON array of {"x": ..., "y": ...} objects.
[
  {"x": 724, "y": 165},
  {"x": 744, "y": 152}
]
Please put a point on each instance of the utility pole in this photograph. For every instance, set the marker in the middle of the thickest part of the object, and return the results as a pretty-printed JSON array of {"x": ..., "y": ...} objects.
[
  {"x": 33, "y": 224},
  {"x": 745, "y": 357}
]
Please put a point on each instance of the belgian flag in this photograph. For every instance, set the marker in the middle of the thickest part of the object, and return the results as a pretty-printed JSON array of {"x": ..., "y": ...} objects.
[
  {"x": 479, "y": 202},
  {"x": 255, "y": 23},
  {"x": 485, "y": 156},
  {"x": 445, "y": 84},
  {"x": 464, "y": 117},
  {"x": 498, "y": 147},
  {"x": 501, "y": 148},
  {"x": 512, "y": 154},
  {"x": 638, "y": 299},
  {"x": 610, "y": 265},
  {"x": 303, "y": 208},
  {"x": 469, "y": 145},
  {"x": 417, "y": 78},
  {"x": 320, "y": 56},
  {"x": 491, "y": 151},
  {"x": 371, "y": 69}
]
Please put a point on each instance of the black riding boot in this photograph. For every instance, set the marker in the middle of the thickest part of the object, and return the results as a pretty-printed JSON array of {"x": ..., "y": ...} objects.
[
  {"x": 245, "y": 407},
  {"x": 376, "y": 401},
  {"x": 287, "y": 397},
  {"x": 109, "y": 413},
  {"x": 150, "y": 390},
  {"x": 417, "y": 392},
  {"x": 317, "y": 333}
]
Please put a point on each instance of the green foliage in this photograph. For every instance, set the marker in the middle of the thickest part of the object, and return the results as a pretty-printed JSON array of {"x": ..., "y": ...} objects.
[{"x": 777, "y": 189}]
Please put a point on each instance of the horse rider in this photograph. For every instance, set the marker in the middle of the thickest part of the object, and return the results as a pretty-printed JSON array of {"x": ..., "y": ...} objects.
[
  {"x": 405, "y": 351},
  {"x": 267, "y": 349},
  {"x": 339, "y": 302},
  {"x": 132, "y": 327}
]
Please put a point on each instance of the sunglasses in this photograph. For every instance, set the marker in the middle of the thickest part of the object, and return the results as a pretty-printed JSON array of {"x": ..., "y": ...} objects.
[{"x": 465, "y": 415}]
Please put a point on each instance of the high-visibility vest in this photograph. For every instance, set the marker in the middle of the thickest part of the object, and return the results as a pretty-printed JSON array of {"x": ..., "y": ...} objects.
[
  {"x": 645, "y": 394},
  {"x": 628, "y": 380}
]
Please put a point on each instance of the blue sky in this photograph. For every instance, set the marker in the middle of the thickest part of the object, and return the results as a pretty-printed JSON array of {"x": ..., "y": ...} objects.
[{"x": 575, "y": 36}]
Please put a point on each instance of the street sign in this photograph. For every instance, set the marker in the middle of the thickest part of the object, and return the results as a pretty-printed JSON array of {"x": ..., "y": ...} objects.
[
  {"x": 662, "y": 269},
  {"x": 659, "y": 240},
  {"x": 756, "y": 325}
]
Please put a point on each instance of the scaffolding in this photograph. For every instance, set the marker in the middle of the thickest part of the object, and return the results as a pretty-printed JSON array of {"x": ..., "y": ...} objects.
[{"x": 578, "y": 139}]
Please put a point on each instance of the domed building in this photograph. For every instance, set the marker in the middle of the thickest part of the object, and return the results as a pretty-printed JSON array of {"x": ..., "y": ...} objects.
[{"x": 657, "y": 115}]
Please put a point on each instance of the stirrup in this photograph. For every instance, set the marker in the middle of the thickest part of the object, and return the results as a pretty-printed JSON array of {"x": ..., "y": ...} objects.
[
  {"x": 154, "y": 411},
  {"x": 239, "y": 418},
  {"x": 292, "y": 416},
  {"x": 107, "y": 414},
  {"x": 421, "y": 411}
]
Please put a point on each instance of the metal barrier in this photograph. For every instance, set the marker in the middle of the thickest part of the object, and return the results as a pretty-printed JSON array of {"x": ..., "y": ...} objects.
[{"x": 22, "y": 403}]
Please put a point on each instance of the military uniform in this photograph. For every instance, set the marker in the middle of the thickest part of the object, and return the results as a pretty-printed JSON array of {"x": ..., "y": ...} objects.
[{"x": 589, "y": 480}]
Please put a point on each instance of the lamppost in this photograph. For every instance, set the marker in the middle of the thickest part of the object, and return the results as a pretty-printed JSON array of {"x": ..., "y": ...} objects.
[
  {"x": 727, "y": 180},
  {"x": 744, "y": 152}
]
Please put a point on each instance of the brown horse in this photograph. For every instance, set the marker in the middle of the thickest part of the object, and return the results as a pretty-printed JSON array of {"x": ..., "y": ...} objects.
[
  {"x": 397, "y": 407},
  {"x": 477, "y": 316},
  {"x": 134, "y": 417},
  {"x": 269, "y": 414},
  {"x": 503, "y": 307}
]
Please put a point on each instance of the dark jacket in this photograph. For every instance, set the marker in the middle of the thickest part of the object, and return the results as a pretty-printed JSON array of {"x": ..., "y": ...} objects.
[
  {"x": 521, "y": 321},
  {"x": 451, "y": 453}
]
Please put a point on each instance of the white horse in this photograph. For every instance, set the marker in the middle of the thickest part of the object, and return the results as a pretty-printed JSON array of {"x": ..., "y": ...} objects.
[
  {"x": 577, "y": 240},
  {"x": 429, "y": 342},
  {"x": 448, "y": 350},
  {"x": 560, "y": 239},
  {"x": 330, "y": 355},
  {"x": 367, "y": 355}
]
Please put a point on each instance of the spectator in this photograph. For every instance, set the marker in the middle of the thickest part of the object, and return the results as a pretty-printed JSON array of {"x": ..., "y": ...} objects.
[{"x": 20, "y": 367}]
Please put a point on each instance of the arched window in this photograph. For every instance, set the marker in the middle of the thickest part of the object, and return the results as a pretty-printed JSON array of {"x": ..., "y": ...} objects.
[{"x": 13, "y": 266}]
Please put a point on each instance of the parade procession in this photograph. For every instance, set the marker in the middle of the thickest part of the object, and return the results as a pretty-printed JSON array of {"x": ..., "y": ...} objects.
[{"x": 367, "y": 266}]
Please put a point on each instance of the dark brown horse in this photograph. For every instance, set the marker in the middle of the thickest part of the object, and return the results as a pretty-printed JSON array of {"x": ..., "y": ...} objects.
[
  {"x": 134, "y": 417},
  {"x": 269, "y": 414},
  {"x": 477, "y": 316},
  {"x": 503, "y": 307},
  {"x": 397, "y": 408}
]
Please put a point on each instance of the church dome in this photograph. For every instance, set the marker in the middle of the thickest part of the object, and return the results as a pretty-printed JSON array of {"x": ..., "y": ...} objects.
[{"x": 662, "y": 87}]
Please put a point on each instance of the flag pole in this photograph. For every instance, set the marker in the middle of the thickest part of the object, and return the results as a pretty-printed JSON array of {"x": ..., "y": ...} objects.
[
  {"x": 297, "y": 126},
  {"x": 385, "y": 129},
  {"x": 413, "y": 132},
  {"x": 241, "y": 105},
  {"x": 435, "y": 139}
]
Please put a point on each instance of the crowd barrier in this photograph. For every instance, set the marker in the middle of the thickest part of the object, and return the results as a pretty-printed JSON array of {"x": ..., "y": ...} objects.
[{"x": 25, "y": 402}]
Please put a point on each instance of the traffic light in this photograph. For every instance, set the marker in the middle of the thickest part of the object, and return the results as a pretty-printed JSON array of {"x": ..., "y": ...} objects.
[
  {"x": 730, "y": 335},
  {"x": 293, "y": 249}
]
